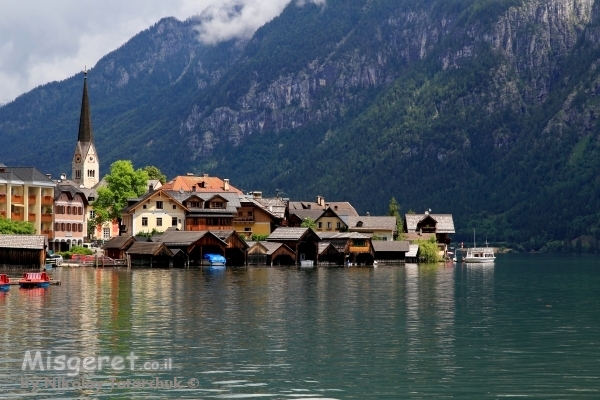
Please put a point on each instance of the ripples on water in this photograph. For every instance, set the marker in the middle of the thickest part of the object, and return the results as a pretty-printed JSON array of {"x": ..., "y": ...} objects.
[{"x": 527, "y": 326}]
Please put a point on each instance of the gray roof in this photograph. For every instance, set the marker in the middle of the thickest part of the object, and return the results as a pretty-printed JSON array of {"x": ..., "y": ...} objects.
[
  {"x": 341, "y": 235},
  {"x": 390, "y": 245},
  {"x": 117, "y": 242},
  {"x": 287, "y": 233},
  {"x": 71, "y": 190},
  {"x": 340, "y": 207},
  {"x": 275, "y": 205},
  {"x": 148, "y": 248},
  {"x": 385, "y": 223},
  {"x": 413, "y": 250},
  {"x": 35, "y": 242},
  {"x": 181, "y": 238},
  {"x": 302, "y": 214},
  {"x": 322, "y": 246},
  {"x": 23, "y": 175},
  {"x": 272, "y": 247},
  {"x": 445, "y": 223}
]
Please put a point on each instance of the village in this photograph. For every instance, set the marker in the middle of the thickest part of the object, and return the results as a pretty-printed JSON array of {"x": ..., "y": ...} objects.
[{"x": 176, "y": 223}]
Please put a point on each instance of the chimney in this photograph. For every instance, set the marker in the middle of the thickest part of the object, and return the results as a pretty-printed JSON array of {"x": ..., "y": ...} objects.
[
  {"x": 226, "y": 184},
  {"x": 326, "y": 205},
  {"x": 206, "y": 175},
  {"x": 63, "y": 176},
  {"x": 190, "y": 174},
  {"x": 193, "y": 188},
  {"x": 47, "y": 175},
  {"x": 151, "y": 187},
  {"x": 320, "y": 200},
  {"x": 368, "y": 214}
]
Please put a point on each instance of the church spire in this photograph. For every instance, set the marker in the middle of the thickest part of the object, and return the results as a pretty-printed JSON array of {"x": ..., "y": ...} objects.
[{"x": 85, "y": 120}]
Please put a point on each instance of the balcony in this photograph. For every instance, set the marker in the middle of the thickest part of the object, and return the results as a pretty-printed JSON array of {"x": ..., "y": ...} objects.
[
  {"x": 209, "y": 228},
  {"x": 359, "y": 249},
  {"x": 243, "y": 219},
  {"x": 17, "y": 198},
  {"x": 46, "y": 218},
  {"x": 3, "y": 214},
  {"x": 31, "y": 217},
  {"x": 16, "y": 216},
  {"x": 32, "y": 199},
  {"x": 47, "y": 232},
  {"x": 47, "y": 200},
  {"x": 2, "y": 198}
]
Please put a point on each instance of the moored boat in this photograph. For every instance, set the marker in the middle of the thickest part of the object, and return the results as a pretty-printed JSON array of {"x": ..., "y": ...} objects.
[
  {"x": 4, "y": 282},
  {"x": 34, "y": 280},
  {"x": 213, "y": 260},
  {"x": 479, "y": 254}
]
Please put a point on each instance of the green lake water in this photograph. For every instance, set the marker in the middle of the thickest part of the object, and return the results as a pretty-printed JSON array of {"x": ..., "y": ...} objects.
[{"x": 528, "y": 326}]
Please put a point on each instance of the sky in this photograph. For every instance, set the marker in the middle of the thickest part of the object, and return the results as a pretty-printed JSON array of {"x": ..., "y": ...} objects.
[{"x": 43, "y": 41}]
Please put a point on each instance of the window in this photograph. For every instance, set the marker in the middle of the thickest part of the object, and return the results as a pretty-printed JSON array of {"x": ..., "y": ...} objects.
[
  {"x": 320, "y": 225},
  {"x": 359, "y": 243},
  {"x": 158, "y": 221},
  {"x": 92, "y": 214},
  {"x": 194, "y": 204},
  {"x": 62, "y": 226},
  {"x": 249, "y": 213},
  {"x": 159, "y": 205},
  {"x": 57, "y": 226},
  {"x": 174, "y": 221},
  {"x": 217, "y": 204},
  {"x": 68, "y": 209},
  {"x": 144, "y": 206},
  {"x": 329, "y": 225},
  {"x": 68, "y": 227},
  {"x": 246, "y": 229},
  {"x": 80, "y": 210},
  {"x": 106, "y": 233},
  {"x": 338, "y": 225},
  {"x": 174, "y": 207},
  {"x": 78, "y": 174},
  {"x": 80, "y": 228},
  {"x": 144, "y": 221}
]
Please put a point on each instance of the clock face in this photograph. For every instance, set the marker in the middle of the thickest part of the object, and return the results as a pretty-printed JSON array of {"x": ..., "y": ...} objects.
[
  {"x": 77, "y": 158},
  {"x": 91, "y": 158}
]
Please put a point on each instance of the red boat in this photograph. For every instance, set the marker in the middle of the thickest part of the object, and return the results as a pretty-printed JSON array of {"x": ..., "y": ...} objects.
[
  {"x": 34, "y": 280},
  {"x": 4, "y": 282}
]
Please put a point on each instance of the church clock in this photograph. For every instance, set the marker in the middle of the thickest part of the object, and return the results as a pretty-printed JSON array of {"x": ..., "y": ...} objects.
[{"x": 77, "y": 158}]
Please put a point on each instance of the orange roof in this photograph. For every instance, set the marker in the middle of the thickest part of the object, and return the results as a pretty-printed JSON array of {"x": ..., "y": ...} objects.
[{"x": 202, "y": 183}]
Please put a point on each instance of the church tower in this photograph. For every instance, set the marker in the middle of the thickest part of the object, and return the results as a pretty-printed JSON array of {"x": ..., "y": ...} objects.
[{"x": 86, "y": 166}]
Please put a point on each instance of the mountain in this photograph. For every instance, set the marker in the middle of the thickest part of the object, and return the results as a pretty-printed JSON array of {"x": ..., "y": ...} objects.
[{"x": 486, "y": 109}]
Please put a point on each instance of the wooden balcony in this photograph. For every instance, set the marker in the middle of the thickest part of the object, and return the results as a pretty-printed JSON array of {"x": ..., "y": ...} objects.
[
  {"x": 31, "y": 217},
  {"x": 16, "y": 216},
  {"x": 47, "y": 232},
  {"x": 32, "y": 199},
  {"x": 209, "y": 228},
  {"x": 2, "y": 198},
  {"x": 3, "y": 214},
  {"x": 243, "y": 219},
  {"x": 359, "y": 249},
  {"x": 46, "y": 218},
  {"x": 17, "y": 198},
  {"x": 47, "y": 200}
]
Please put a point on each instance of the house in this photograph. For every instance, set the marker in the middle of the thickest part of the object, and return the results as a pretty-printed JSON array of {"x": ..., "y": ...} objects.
[
  {"x": 117, "y": 247},
  {"x": 423, "y": 226},
  {"x": 236, "y": 250},
  {"x": 270, "y": 253},
  {"x": 150, "y": 254},
  {"x": 155, "y": 211},
  {"x": 330, "y": 220},
  {"x": 70, "y": 226},
  {"x": 303, "y": 241},
  {"x": 209, "y": 210},
  {"x": 253, "y": 218},
  {"x": 383, "y": 228},
  {"x": 27, "y": 251},
  {"x": 193, "y": 244},
  {"x": 27, "y": 195},
  {"x": 297, "y": 217},
  {"x": 329, "y": 254},
  {"x": 390, "y": 251},
  {"x": 205, "y": 183},
  {"x": 340, "y": 207}
]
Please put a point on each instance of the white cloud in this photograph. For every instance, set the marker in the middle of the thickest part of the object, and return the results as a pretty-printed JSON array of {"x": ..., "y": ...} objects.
[{"x": 44, "y": 41}]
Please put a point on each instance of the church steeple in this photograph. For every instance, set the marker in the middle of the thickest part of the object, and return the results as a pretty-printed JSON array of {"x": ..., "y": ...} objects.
[
  {"x": 86, "y": 166},
  {"x": 85, "y": 120}
]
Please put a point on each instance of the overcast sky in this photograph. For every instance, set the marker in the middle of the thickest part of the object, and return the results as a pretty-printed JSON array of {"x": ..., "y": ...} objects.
[{"x": 50, "y": 40}]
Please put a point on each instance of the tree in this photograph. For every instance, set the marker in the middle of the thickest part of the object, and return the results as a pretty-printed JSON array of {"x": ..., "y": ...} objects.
[
  {"x": 428, "y": 250},
  {"x": 8, "y": 226},
  {"x": 154, "y": 173},
  {"x": 394, "y": 211},
  {"x": 123, "y": 182},
  {"x": 308, "y": 222}
]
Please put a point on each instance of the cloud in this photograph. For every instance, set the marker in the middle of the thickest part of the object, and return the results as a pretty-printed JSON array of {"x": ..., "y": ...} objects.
[{"x": 44, "y": 41}]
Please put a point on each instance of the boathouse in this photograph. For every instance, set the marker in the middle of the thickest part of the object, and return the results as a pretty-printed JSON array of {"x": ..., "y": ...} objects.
[
  {"x": 23, "y": 251},
  {"x": 116, "y": 247},
  {"x": 390, "y": 252},
  {"x": 303, "y": 241},
  {"x": 270, "y": 253},
  {"x": 150, "y": 254},
  {"x": 329, "y": 254},
  {"x": 237, "y": 248},
  {"x": 194, "y": 244}
]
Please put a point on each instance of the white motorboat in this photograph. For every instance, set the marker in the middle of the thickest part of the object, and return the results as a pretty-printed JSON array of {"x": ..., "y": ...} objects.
[{"x": 479, "y": 254}]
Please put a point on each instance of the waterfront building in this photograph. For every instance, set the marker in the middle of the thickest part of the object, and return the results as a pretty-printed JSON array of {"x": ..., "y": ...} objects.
[
  {"x": 26, "y": 194},
  {"x": 382, "y": 227},
  {"x": 70, "y": 226}
]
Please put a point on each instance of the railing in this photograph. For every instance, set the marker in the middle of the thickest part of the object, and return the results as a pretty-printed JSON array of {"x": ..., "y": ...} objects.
[
  {"x": 16, "y": 216},
  {"x": 47, "y": 200},
  {"x": 32, "y": 198},
  {"x": 17, "y": 198},
  {"x": 46, "y": 218},
  {"x": 31, "y": 217},
  {"x": 359, "y": 249},
  {"x": 209, "y": 228},
  {"x": 243, "y": 219}
]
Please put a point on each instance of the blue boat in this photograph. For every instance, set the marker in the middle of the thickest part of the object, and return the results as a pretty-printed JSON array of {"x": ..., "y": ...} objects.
[{"x": 213, "y": 260}]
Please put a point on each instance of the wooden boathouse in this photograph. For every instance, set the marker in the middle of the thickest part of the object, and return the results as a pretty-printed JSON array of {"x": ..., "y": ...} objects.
[{"x": 23, "y": 251}]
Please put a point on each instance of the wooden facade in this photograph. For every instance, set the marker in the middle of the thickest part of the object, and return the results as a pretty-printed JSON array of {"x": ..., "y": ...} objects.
[
  {"x": 150, "y": 254},
  {"x": 303, "y": 241},
  {"x": 270, "y": 253},
  {"x": 237, "y": 248},
  {"x": 23, "y": 251},
  {"x": 193, "y": 244},
  {"x": 117, "y": 247}
]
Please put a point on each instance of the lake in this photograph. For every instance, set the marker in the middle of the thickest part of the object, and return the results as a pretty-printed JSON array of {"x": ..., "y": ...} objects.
[{"x": 528, "y": 326}]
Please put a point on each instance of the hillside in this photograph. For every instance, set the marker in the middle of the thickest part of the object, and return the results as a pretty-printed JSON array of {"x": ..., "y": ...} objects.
[{"x": 486, "y": 109}]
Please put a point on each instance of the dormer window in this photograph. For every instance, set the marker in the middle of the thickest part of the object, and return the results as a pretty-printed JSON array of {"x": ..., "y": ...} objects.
[
  {"x": 359, "y": 224},
  {"x": 202, "y": 184},
  {"x": 217, "y": 204}
]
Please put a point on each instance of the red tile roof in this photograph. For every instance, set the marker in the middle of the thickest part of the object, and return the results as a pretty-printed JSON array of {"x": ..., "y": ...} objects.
[{"x": 202, "y": 183}]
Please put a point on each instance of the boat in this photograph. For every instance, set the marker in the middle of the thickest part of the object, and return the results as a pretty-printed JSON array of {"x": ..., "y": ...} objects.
[
  {"x": 307, "y": 263},
  {"x": 479, "y": 254},
  {"x": 34, "y": 280},
  {"x": 4, "y": 282},
  {"x": 213, "y": 260}
]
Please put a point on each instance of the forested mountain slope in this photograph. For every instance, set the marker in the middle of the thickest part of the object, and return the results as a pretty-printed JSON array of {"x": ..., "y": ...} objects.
[{"x": 486, "y": 109}]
